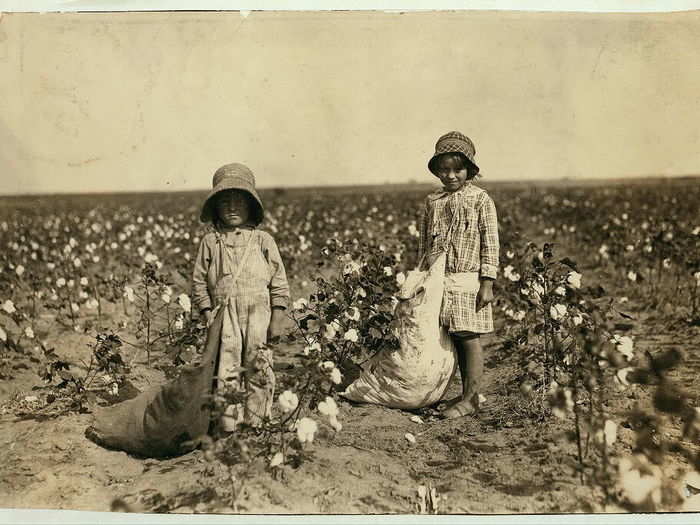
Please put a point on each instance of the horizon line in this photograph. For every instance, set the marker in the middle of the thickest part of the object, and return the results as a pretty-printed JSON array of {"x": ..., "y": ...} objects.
[{"x": 569, "y": 180}]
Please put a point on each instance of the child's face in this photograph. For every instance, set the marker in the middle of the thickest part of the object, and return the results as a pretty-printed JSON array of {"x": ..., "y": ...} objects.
[
  {"x": 233, "y": 208},
  {"x": 452, "y": 172}
]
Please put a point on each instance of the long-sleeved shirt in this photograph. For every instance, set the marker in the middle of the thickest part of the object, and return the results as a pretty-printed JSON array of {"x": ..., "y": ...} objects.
[
  {"x": 473, "y": 244},
  {"x": 206, "y": 267}
]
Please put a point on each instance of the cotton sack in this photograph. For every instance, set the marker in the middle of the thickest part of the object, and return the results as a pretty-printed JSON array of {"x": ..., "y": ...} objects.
[{"x": 418, "y": 373}]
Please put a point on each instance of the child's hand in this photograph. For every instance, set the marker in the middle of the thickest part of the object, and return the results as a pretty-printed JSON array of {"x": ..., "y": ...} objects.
[
  {"x": 274, "y": 331},
  {"x": 206, "y": 313},
  {"x": 485, "y": 294}
]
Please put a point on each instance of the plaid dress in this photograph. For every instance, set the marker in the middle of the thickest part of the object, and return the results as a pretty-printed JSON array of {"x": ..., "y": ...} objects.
[{"x": 469, "y": 217}]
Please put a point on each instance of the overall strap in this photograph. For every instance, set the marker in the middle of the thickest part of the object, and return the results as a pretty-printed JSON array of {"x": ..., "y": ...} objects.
[{"x": 224, "y": 250}]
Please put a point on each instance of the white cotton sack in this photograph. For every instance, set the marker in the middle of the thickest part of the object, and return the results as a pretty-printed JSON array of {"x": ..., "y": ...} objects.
[{"x": 417, "y": 373}]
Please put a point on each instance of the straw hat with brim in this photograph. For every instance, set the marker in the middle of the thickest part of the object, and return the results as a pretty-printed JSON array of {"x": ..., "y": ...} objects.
[
  {"x": 454, "y": 142},
  {"x": 233, "y": 177}
]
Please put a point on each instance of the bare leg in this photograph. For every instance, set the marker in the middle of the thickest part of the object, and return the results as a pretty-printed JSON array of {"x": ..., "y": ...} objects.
[{"x": 470, "y": 357}]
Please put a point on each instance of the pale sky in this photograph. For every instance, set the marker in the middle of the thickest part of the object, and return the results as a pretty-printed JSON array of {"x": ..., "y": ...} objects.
[{"x": 158, "y": 101}]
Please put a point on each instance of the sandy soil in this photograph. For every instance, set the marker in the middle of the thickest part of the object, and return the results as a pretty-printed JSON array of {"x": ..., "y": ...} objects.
[{"x": 498, "y": 462}]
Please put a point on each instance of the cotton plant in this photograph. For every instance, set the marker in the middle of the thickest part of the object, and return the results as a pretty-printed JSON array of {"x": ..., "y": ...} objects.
[
  {"x": 350, "y": 315},
  {"x": 299, "y": 414}
]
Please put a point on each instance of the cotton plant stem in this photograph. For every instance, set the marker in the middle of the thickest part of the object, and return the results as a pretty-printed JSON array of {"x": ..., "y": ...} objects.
[
  {"x": 148, "y": 325},
  {"x": 99, "y": 303},
  {"x": 167, "y": 316},
  {"x": 578, "y": 436},
  {"x": 33, "y": 309}
]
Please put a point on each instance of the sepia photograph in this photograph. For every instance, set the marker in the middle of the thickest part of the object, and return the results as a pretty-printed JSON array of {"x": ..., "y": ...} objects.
[{"x": 300, "y": 263}]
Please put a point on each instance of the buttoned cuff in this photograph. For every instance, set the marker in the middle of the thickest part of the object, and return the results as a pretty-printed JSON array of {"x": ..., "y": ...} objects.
[
  {"x": 488, "y": 270},
  {"x": 281, "y": 302},
  {"x": 203, "y": 304}
]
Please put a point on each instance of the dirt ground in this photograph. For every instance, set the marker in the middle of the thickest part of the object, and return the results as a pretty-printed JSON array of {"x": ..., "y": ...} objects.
[{"x": 498, "y": 462}]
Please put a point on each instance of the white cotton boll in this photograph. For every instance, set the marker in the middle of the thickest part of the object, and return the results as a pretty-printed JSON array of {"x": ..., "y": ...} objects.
[
  {"x": 327, "y": 365},
  {"x": 300, "y": 304},
  {"x": 573, "y": 279},
  {"x": 351, "y": 267},
  {"x": 328, "y": 407},
  {"x": 333, "y": 422},
  {"x": 314, "y": 347},
  {"x": 610, "y": 432},
  {"x": 336, "y": 376},
  {"x": 129, "y": 293},
  {"x": 557, "y": 311},
  {"x": 9, "y": 307},
  {"x": 537, "y": 288},
  {"x": 306, "y": 430},
  {"x": 353, "y": 314},
  {"x": 329, "y": 331},
  {"x": 639, "y": 480},
  {"x": 625, "y": 345},
  {"x": 288, "y": 401},
  {"x": 351, "y": 335},
  {"x": 184, "y": 301},
  {"x": 277, "y": 460}
]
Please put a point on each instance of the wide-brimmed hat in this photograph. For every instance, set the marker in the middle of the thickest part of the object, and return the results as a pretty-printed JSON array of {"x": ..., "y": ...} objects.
[
  {"x": 454, "y": 142},
  {"x": 233, "y": 177}
]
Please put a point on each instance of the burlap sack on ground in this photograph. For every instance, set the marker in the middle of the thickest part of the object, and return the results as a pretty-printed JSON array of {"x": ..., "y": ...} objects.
[
  {"x": 161, "y": 420},
  {"x": 417, "y": 373}
]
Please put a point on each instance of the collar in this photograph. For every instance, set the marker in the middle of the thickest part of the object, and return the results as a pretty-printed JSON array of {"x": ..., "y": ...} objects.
[
  {"x": 234, "y": 231},
  {"x": 439, "y": 194}
]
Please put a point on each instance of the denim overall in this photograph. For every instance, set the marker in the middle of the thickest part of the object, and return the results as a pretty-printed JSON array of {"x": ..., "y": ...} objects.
[{"x": 242, "y": 306}]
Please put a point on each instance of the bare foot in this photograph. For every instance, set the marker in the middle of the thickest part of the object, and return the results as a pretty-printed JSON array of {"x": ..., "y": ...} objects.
[
  {"x": 460, "y": 409},
  {"x": 444, "y": 405}
]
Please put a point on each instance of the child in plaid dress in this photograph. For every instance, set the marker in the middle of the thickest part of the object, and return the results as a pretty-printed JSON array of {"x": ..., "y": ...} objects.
[
  {"x": 461, "y": 220},
  {"x": 239, "y": 281}
]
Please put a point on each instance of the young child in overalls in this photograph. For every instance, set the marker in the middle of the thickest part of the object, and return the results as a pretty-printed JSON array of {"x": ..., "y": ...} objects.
[
  {"x": 239, "y": 281},
  {"x": 461, "y": 219}
]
